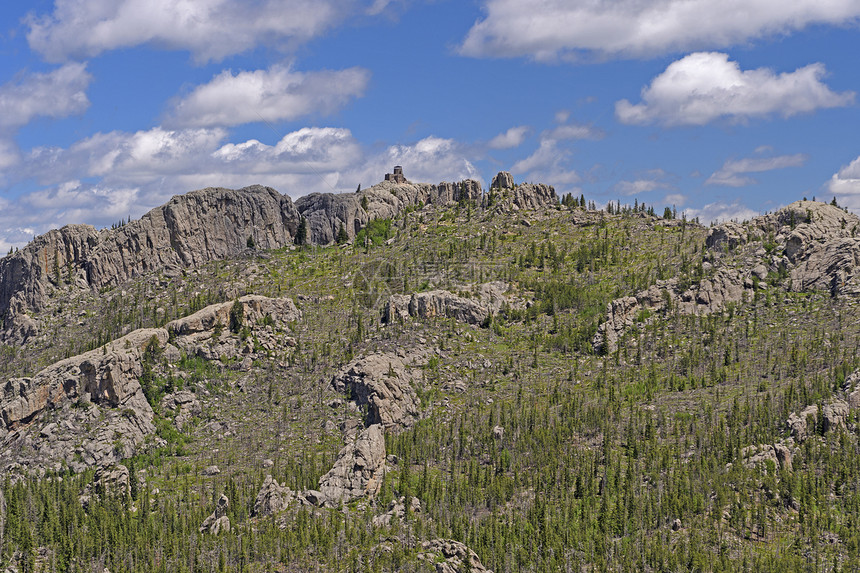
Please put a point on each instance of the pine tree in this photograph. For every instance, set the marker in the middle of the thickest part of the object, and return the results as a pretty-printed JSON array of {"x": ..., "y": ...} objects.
[
  {"x": 302, "y": 232},
  {"x": 342, "y": 236}
]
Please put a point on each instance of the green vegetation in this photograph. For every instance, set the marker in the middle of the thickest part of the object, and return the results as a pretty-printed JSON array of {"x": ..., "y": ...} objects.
[{"x": 628, "y": 460}]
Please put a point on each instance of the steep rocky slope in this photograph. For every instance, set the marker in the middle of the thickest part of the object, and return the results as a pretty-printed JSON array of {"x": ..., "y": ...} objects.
[
  {"x": 205, "y": 225},
  {"x": 91, "y": 410},
  {"x": 813, "y": 244}
]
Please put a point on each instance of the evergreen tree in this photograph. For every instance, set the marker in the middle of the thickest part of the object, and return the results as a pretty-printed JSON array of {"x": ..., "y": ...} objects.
[
  {"x": 342, "y": 236},
  {"x": 302, "y": 232}
]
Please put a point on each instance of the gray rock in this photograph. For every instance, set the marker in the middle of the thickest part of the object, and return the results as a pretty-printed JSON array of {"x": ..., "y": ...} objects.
[
  {"x": 449, "y": 556},
  {"x": 184, "y": 405},
  {"x": 502, "y": 180},
  {"x": 444, "y": 304},
  {"x": 112, "y": 419},
  {"x": 272, "y": 498},
  {"x": 382, "y": 384},
  {"x": 217, "y": 520},
  {"x": 728, "y": 235},
  {"x": 325, "y": 213},
  {"x": 189, "y": 230},
  {"x": 211, "y": 470},
  {"x": 834, "y": 415},
  {"x": 255, "y": 308},
  {"x": 783, "y": 454},
  {"x": 397, "y": 510},
  {"x": 358, "y": 470},
  {"x": 798, "y": 424}
]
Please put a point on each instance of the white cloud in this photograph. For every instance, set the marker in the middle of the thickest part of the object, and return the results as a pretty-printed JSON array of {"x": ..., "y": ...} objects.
[
  {"x": 109, "y": 176},
  {"x": 9, "y": 154},
  {"x": 58, "y": 93},
  {"x": 574, "y": 131},
  {"x": 678, "y": 199},
  {"x": 721, "y": 211},
  {"x": 432, "y": 159},
  {"x": 733, "y": 172},
  {"x": 704, "y": 87},
  {"x": 845, "y": 185},
  {"x": 513, "y": 137},
  {"x": 553, "y": 29},
  {"x": 267, "y": 95},
  {"x": 549, "y": 162},
  {"x": 209, "y": 29},
  {"x": 651, "y": 180}
]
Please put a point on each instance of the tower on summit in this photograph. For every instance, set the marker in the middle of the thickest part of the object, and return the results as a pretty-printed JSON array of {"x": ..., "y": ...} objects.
[{"x": 397, "y": 176}]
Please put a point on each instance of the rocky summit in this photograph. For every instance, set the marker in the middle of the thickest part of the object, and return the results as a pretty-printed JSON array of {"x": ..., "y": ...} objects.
[{"x": 431, "y": 377}]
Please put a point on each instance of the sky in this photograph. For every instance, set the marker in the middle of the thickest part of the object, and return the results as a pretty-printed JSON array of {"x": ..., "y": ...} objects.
[{"x": 724, "y": 110}]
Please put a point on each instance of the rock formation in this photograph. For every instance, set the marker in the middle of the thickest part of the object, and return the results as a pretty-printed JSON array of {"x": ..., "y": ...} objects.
[
  {"x": 834, "y": 414},
  {"x": 90, "y": 410},
  {"x": 397, "y": 510},
  {"x": 326, "y": 212},
  {"x": 182, "y": 405},
  {"x": 449, "y": 556},
  {"x": 381, "y": 384},
  {"x": 813, "y": 242},
  {"x": 359, "y": 468},
  {"x": 206, "y": 225},
  {"x": 272, "y": 498},
  {"x": 818, "y": 243},
  {"x": 506, "y": 196},
  {"x": 442, "y": 303},
  {"x": 188, "y": 230},
  {"x": 217, "y": 520}
]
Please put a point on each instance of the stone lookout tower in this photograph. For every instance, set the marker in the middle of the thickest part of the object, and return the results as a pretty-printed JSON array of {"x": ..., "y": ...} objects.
[{"x": 397, "y": 176}]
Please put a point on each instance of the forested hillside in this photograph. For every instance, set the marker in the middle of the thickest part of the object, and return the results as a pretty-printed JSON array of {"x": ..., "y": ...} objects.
[{"x": 500, "y": 381}]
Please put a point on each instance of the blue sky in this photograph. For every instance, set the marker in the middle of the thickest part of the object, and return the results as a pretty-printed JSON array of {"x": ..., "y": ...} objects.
[{"x": 724, "y": 109}]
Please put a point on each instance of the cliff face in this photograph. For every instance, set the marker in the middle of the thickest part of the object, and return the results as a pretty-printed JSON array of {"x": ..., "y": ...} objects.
[
  {"x": 206, "y": 225},
  {"x": 189, "y": 230},
  {"x": 326, "y": 212}
]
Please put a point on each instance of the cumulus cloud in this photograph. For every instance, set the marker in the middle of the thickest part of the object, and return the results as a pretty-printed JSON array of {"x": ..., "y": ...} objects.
[
  {"x": 58, "y": 93},
  {"x": 109, "y": 176},
  {"x": 703, "y": 87},
  {"x": 209, "y": 29},
  {"x": 553, "y": 29},
  {"x": 276, "y": 94},
  {"x": 549, "y": 162},
  {"x": 431, "y": 159},
  {"x": 651, "y": 180},
  {"x": 720, "y": 211},
  {"x": 734, "y": 172},
  {"x": 845, "y": 185},
  {"x": 513, "y": 137}
]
